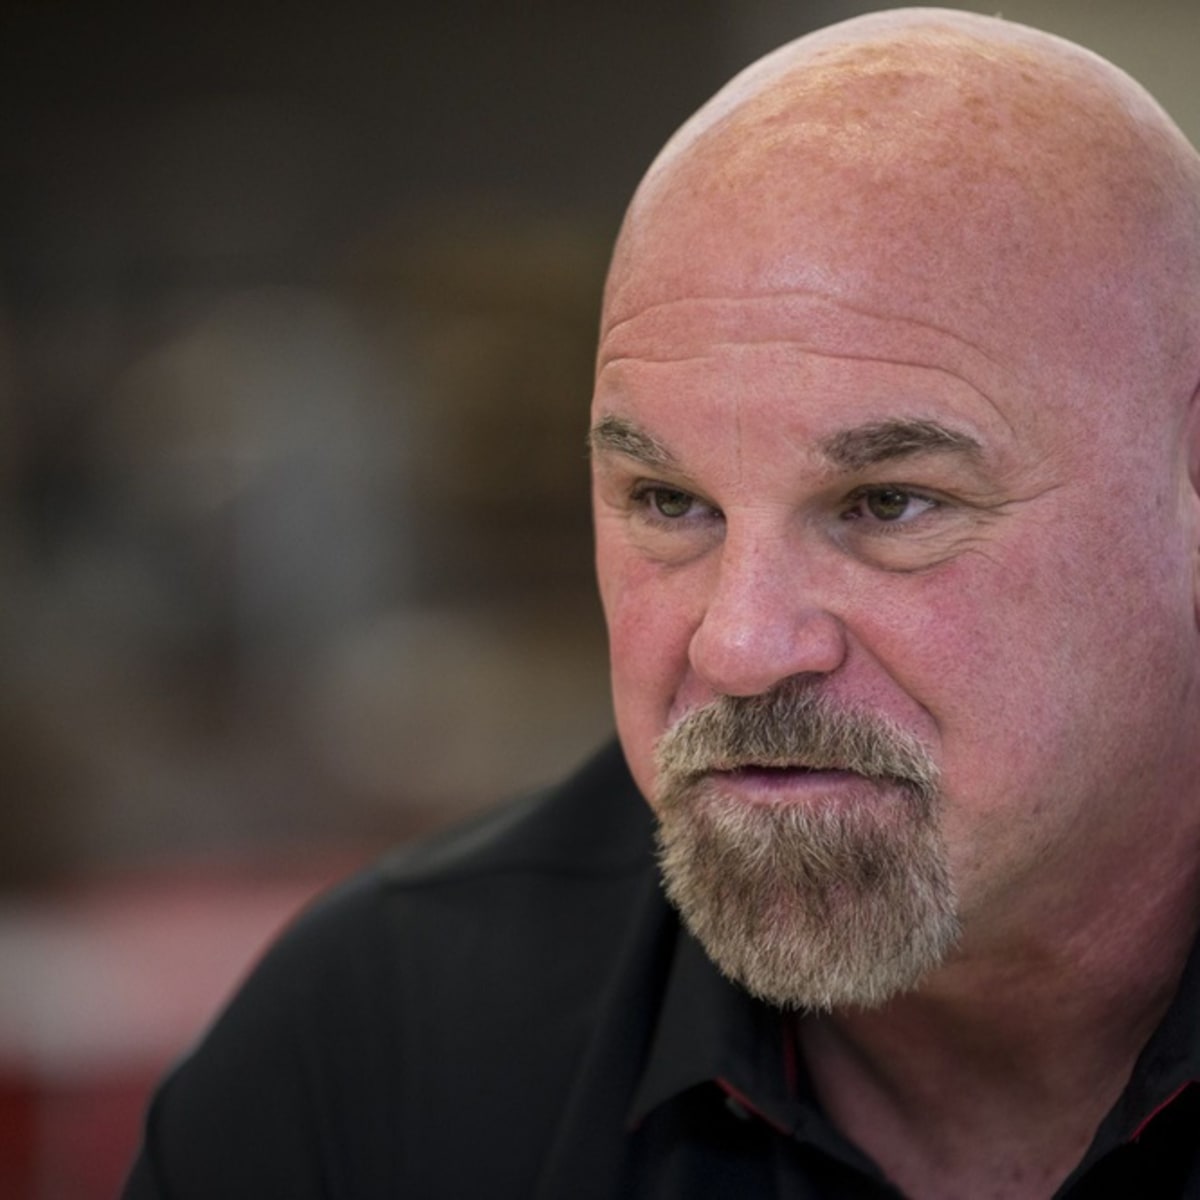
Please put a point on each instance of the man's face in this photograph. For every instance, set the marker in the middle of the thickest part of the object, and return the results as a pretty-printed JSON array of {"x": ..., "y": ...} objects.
[{"x": 919, "y": 518}]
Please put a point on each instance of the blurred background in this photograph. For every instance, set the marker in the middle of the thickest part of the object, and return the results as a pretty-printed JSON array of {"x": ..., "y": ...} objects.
[{"x": 297, "y": 309}]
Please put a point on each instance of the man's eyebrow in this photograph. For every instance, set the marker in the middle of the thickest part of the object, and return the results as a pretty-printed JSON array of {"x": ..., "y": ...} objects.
[
  {"x": 850, "y": 449},
  {"x": 866, "y": 445},
  {"x": 616, "y": 435}
]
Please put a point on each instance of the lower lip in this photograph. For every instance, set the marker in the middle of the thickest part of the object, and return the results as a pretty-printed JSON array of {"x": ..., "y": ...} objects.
[{"x": 766, "y": 785}]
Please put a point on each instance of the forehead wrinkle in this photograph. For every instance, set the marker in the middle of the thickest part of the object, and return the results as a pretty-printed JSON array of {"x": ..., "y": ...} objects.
[
  {"x": 813, "y": 297},
  {"x": 883, "y": 360},
  {"x": 914, "y": 364},
  {"x": 811, "y": 311}
]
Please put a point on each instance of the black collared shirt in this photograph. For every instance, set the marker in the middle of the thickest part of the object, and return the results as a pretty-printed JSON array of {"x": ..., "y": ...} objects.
[{"x": 514, "y": 1012}]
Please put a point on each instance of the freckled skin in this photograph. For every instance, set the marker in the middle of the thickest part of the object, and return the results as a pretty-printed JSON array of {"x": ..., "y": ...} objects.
[{"x": 932, "y": 216}]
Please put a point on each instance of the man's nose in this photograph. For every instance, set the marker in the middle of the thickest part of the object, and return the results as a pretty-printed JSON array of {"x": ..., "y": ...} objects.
[{"x": 765, "y": 621}]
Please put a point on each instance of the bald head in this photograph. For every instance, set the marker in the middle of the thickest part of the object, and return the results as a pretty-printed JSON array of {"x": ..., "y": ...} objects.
[{"x": 956, "y": 169}]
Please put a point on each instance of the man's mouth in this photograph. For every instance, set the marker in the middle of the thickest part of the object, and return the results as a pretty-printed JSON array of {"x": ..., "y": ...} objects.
[
  {"x": 767, "y": 771},
  {"x": 793, "y": 782}
]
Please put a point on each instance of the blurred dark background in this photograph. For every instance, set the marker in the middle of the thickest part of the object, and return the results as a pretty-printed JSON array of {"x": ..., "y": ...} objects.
[{"x": 297, "y": 309}]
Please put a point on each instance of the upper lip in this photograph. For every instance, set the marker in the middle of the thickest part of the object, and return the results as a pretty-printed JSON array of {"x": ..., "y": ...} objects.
[{"x": 779, "y": 766}]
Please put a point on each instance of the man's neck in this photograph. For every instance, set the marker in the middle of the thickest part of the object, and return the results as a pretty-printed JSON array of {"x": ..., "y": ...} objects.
[{"x": 992, "y": 1079}]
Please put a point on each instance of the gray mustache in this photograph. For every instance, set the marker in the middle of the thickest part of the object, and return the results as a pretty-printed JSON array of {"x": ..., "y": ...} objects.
[{"x": 791, "y": 726}]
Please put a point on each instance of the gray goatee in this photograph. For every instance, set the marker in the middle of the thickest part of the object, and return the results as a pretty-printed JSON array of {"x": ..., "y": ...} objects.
[{"x": 806, "y": 905}]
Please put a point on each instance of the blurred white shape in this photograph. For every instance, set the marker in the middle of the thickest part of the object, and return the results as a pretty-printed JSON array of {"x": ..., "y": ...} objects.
[{"x": 269, "y": 418}]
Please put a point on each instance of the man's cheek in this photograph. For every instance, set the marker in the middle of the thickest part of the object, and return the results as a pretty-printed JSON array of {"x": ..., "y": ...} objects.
[
  {"x": 648, "y": 651},
  {"x": 644, "y": 669}
]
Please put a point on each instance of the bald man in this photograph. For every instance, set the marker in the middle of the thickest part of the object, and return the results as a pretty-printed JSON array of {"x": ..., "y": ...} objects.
[{"x": 896, "y": 453}]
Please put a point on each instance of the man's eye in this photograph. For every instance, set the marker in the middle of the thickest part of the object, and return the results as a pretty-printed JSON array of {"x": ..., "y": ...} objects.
[
  {"x": 668, "y": 502},
  {"x": 888, "y": 504},
  {"x": 891, "y": 505},
  {"x": 670, "y": 525}
]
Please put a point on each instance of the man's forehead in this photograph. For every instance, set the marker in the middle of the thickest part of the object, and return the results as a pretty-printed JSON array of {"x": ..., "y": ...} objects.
[
  {"x": 923, "y": 178},
  {"x": 800, "y": 320},
  {"x": 813, "y": 365}
]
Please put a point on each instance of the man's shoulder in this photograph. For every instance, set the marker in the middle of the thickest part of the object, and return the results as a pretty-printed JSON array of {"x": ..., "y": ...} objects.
[
  {"x": 594, "y": 824},
  {"x": 393, "y": 1012},
  {"x": 512, "y": 882},
  {"x": 452, "y": 986}
]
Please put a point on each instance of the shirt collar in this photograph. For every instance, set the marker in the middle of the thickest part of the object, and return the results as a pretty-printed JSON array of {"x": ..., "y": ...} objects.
[
  {"x": 1168, "y": 1066},
  {"x": 710, "y": 1030}
]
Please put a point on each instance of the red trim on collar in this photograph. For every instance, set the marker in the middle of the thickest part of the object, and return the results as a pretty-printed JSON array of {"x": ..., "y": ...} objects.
[
  {"x": 745, "y": 1102},
  {"x": 1183, "y": 1087}
]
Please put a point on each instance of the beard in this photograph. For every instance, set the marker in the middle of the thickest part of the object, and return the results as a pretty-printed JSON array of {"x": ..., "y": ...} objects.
[{"x": 812, "y": 905}]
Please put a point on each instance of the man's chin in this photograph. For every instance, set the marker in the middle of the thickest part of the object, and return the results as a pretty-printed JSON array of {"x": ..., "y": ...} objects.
[{"x": 826, "y": 898}]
